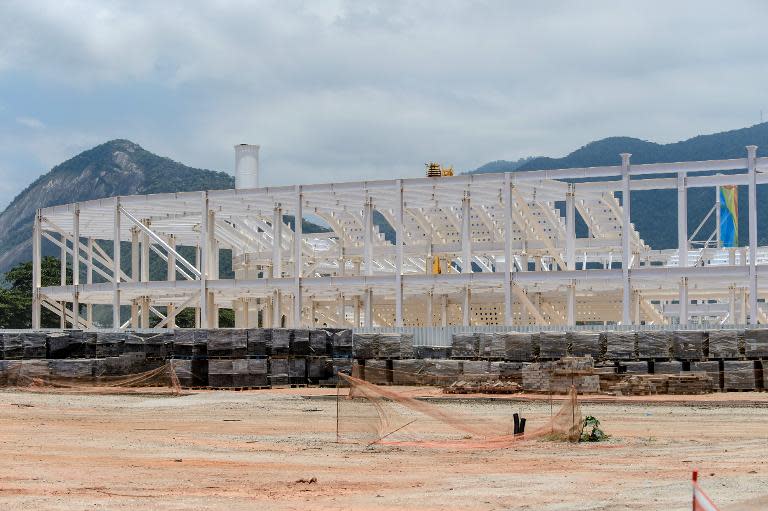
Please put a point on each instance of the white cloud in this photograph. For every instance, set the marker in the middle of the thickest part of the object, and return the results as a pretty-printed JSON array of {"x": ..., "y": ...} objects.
[{"x": 30, "y": 122}]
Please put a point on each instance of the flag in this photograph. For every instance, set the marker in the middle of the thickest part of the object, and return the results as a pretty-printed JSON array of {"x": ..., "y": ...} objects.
[
  {"x": 729, "y": 215},
  {"x": 701, "y": 501}
]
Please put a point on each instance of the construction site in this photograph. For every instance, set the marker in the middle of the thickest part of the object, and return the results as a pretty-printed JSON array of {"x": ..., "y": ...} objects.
[{"x": 445, "y": 342}]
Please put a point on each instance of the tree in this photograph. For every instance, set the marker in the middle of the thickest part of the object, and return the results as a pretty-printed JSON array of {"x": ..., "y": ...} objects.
[{"x": 16, "y": 298}]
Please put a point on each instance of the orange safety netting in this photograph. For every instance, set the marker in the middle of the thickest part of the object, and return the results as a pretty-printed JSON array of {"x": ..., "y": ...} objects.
[{"x": 372, "y": 414}]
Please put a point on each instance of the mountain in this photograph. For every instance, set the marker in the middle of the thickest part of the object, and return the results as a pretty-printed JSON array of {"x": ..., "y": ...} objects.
[
  {"x": 117, "y": 167},
  {"x": 654, "y": 212}
]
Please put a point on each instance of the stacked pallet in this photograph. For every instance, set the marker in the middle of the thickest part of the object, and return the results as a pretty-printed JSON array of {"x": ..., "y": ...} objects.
[
  {"x": 65, "y": 344},
  {"x": 227, "y": 343},
  {"x": 620, "y": 345},
  {"x": 191, "y": 372},
  {"x": 558, "y": 376},
  {"x": 382, "y": 346},
  {"x": 756, "y": 343},
  {"x": 553, "y": 345},
  {"x": 726, "y": 344},
  {"x": 654, "y": 345},
  {"x": 478, "y": 370},
  {"x": 638, "y": 367},
  {"x": 109, "y": 344},
  {"x": 689, "y": 344},
  {"x": 689, "y": 383},
  {"x": 376, "y": 372},
  {"x": 491, "y": 346},
  {"x": 278, "y": 371},
  {"x": 13, "y": 347},
  {"x": 585, "y": 343},
  {"x": 634, "y": 385},
  {"x": 739, "y": 375},
  {"x": 365, "y": 345},
  {"x": 518, "y": 347},
  {"x": 342, "y": 345},
  {"x": 280, "y": 341},
  {"x": 512, "y": 371},
  {"x": 237, "y": 373},
  {"x": 496, "y": 387},
  {"x": 668, "y": 367},
  {"x": 258, "y": 341},
  {"x": 712, "y": 369},
  {"x": 465, "y": 346},
  {"x": 189, "y": 343},
  {"x": 431, "y": 352}
]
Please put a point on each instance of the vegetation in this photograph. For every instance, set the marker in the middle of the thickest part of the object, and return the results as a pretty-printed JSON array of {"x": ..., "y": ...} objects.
[{"x": 16, "y": 299}]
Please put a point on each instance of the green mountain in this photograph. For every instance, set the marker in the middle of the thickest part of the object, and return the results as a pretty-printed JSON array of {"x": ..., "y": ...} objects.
[
  {"x": 654, "y": 212},
  {"x": 118, "y": 167}
]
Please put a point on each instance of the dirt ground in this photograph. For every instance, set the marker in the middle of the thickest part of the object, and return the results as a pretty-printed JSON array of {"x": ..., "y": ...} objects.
[{"x": 277, "y": 450}]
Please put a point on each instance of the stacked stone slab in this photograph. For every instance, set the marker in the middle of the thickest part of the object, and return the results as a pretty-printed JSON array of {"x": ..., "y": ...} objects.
[
  {"x": 109, "y": 344},
  {"x": 712, "y": 369},
  {"x": 756, "y": 343},
  {"x": 558, "y": 376},
  {"x": 431, "y": 352},
  {"x": 585, "y": 344},
  {"x": 519, "y": 347},
  {"x": 342, "y": 346},
  {"x": 634, "y": 367},
  {"x": 376, "y": 372},
  {"x": 299, "y": 343},
  {"x": 228, "y": 343},
  {"x": 280, "y": 341},
  {"x": 553, "y": 345},
  {"x": 258, "y": 341},
  {"x": 278, "y": 371},
  {"x": 465, "y": 345},
  {"x": 511, "y": 371},
  {"x": 726, "y": 344},
  {"x": 190, "y": 343},
  {"x": 320, "y": 343},
  {"x": 689, "y": 344},
  {"x": 667, "y": 367},
  {"x": 654, "y": 344},
  {"x": 65, "y": 344},
  {"x": 237, "y": 373},
  {"x": 191, "y": 372},
  {"x": 620, "y": 345},
  {"x": 739, "y": 375},
  {"x": 385, "y": 345},
  {"x": 491, "y": 346}
]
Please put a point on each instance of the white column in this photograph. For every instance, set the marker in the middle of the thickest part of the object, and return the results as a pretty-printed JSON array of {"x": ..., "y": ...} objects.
[
  {"x": 204, "y": 261},
  {"x": 369, "y": 307},
  {"x": 717, "y": 216},
  {"x": 63, "y": 272},
  {"x": 36, "y": 271},
  {"x": 297, "y": 259},
  {"x": 171, "y": 277},
  {"x": 277, "y": 236},
  {"x": 356, "y": 311},
  {"x": 89, "y": 279},
  {"x": 340, "y": 311},
  {"x": 399, "y": 238},
  {"x": 145, "y": 303},
  {"x": 466, "y": 235},
  {"x": 135, "y": 265},
  {"x": 368, "y": 237},
  {"x": 682, "y": 242},
  {"x": 626, "y": 246},
  {"x": 508, "y": 257},
  {"x": 76, "y": 266},
  {"x": 430, "y": 314},
  {"x": 732, "y": 319},
  {"x": 276, "y": 309},
  {"x": 752, "y": 203},
  {"x": 145, "y": 245},
  {"x": 571, "y": 304},
  {"x": 116, "y": 268},
  {"x": 570, "y": 251},
  {"x": 213, "y": 269},
  {"x": 443, "y": 310}
]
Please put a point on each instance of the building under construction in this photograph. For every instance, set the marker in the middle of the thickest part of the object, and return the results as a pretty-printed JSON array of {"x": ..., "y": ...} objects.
[{"x": 484, "y": 249}]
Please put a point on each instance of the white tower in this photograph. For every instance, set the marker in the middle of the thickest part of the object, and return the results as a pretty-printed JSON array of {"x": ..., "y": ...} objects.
[{"x": 246, "y": 166}]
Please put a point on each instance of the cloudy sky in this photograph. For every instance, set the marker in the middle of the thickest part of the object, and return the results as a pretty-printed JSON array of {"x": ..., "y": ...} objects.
[{"x": 340, "y": 90}]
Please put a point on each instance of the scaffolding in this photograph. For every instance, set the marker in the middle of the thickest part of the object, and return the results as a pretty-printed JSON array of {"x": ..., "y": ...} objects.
[{"x": 507, "y": 254}]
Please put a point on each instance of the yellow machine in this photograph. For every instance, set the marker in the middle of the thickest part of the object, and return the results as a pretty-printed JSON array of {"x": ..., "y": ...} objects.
[{"x": 436, "y": 170}]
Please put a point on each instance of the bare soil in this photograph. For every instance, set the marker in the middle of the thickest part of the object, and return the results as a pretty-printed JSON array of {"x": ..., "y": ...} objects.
[{"x": 276, "y": 450}]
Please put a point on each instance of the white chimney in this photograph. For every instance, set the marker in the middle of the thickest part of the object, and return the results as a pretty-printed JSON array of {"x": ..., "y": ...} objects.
[{"x": 246, "y": 166}]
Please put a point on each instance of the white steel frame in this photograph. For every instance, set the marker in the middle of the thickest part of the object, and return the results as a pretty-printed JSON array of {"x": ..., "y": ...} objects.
[{"x": 485, "y": 229}]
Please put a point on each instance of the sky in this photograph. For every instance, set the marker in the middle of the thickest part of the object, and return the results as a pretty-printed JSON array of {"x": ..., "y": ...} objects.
[{"x": 337, "y": 90}]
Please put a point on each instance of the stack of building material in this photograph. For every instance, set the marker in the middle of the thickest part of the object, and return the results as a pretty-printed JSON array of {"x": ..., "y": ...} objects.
[
  {"x": 297, "y": 371},
  {"x": 726, "y": 343},
  {"x": 376, "y": 372},
  {"x": 13, "y": 347},
  {"x": 365, "y": 345},
  {"x": 431, "y": 352},
  {"x": 668, "y": 367},
  {"x": 227, "y": 343},
  {"x": 756, "y": 343},
  {"x": 75, "y": 368},
  {"x": 518, "y": 347},
  {"x": 259, "y": 340},
  {"x": 585, "y": 343},
  {"x": 342, "y": 365},
  {"x": 634, "y": 385},
  {"x": 191, "y": 373},
  {"x": 739, "y": 375},
  {"x": 238, "y": 373},
  {"x": 638, "y": 367},
  {"x": 496, "y": 387},
  {"x": 465, "y": 345},
  {"x": 689, "y": 383},
  {"x": 654, "y": 344},
  {"x": 553, "y": 345},
  {"x": 189, "y": 343},
  {"x": 35, "y": 369},
  {"x": 278, "y": 371},
  {"x": 442, "y": 372},
  {"x": 712, "y": 369},
  {"x": 689, "y": 344},
  {"x": 319, "y": 369},
  {"x": 65, "y": 344},
  {"x": 491, "y": 346},
  {"x": 558, "y": 376},
  {"x": 476, "y": 370},
  {"x": 320, "y": 343},
  {"x": 109, "y": 344},
  {"x": 299, "y": 343},
  {"x": 9, "y": 370},
  {"x": 342, "y": 344},
  {"x": 34, "y": 344},
  {"x": 134, "y": 343},
  {"x": 620, "y": 345},
  {"x": 281, "y": 341},
  {"x": 511, "y": 371},
  {"x": 608, "y": 376},
  {"x": 408, "y": 371},
  {"x": 388, "y": 346}
]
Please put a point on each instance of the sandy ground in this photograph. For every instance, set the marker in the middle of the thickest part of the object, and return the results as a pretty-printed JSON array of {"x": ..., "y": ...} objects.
[{"x": 251, "y": 450}]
